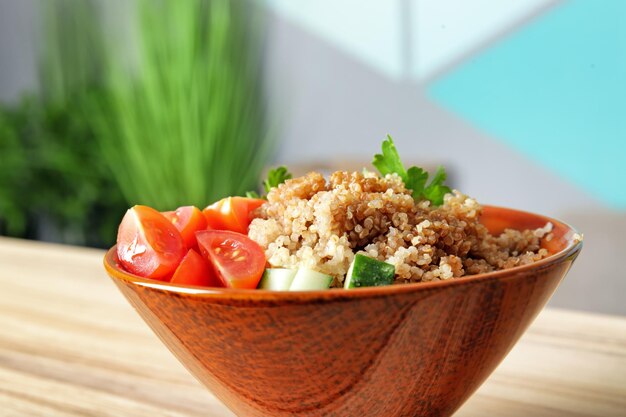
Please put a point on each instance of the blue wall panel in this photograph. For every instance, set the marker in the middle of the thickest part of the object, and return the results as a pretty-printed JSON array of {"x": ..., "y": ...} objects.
[{"x": 556, "y": 90}]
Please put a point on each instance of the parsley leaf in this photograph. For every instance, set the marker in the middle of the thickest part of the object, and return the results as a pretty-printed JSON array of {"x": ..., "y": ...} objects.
[
  {"x": 436, "y": 190},
  {"x": 416, "y": 181},
  {"x": 414, "y": 178},
  {"x": 275, "y": 177},
  {"x": 389, "y": 162}
]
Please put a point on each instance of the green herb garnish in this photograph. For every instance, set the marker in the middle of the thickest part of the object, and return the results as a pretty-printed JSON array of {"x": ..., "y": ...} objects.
[
  {"x": 275, "y": 177},
  {"x": 436, "y": 190},
  {"x": 414, "y": 178}
]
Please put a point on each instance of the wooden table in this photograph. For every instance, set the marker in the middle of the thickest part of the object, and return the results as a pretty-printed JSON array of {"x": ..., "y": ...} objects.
[{"x": 70, "y": 345}]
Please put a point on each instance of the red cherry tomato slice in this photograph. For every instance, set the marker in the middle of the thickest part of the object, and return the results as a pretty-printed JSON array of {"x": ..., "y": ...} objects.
[
  {"x": 188, "y": 220},
  {"x": 232, "y": 213},
  {"x": 148, "y": 244},
  {"x": 195, "y": 270},
  {"x": 238, "y": 260}
]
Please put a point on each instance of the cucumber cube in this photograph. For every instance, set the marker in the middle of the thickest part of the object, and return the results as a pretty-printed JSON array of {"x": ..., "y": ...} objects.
[{"x": 369, "y": 272}]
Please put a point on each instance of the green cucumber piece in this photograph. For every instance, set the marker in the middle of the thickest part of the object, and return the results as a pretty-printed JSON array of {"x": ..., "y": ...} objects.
[
  {"x": 277, "y": 279},
  {"x": 308, "y": 279},
  {"x": 369, "y": 272}
]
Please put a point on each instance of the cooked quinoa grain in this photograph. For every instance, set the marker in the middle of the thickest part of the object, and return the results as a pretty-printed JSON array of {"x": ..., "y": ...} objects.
[{"x": 313, "y": 223}]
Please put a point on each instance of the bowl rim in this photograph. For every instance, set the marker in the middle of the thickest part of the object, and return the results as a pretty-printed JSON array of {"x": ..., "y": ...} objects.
[{"x": 573, "y": 247}]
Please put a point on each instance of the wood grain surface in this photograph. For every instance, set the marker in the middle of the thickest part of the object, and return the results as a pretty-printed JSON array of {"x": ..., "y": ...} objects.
[{"x": 70, "y": 345}]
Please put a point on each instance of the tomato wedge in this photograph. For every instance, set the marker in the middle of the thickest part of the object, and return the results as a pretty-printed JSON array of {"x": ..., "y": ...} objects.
[
  {"x": 195, "y": 270},
  {"x": 238, "y": 261},
  {"x": 232, "y": 213},
  {"x": 188, "y": 220},
  {"x": 148, "y": 244}
]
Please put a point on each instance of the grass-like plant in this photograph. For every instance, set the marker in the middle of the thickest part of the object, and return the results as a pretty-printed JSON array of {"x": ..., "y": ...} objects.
[
  {"x": 182, "y": 120},
  {"x": 71, "y": 50},
  {"x": 172, "y": 114}
]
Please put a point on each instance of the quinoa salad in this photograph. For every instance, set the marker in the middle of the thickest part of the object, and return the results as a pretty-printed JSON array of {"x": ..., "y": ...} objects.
[
  {"x": 321, "y": 224},
  {"x": 347, "y": 230}
]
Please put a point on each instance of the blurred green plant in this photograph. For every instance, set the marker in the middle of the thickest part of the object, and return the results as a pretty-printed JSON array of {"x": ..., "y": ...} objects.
[
  {"x": 176, "y": 120},
  {"x": 53, "y": 178},
  {"x": 14, "y": 173},
  {"x": 53, "y": 181},
  {"x": 185, "y": 123}
]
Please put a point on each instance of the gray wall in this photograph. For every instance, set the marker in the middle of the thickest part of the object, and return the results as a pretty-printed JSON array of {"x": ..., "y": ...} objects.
[
  {"x": 17, "y": 47},
  {"x": 333, "y": 108}
]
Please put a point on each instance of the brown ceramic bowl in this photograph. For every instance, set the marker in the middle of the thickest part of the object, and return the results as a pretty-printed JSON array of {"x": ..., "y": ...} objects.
[{"x": 402, "y": 350}]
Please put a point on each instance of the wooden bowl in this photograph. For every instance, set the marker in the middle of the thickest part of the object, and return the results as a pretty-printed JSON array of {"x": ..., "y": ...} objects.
[{"x": 402, "y": 350}]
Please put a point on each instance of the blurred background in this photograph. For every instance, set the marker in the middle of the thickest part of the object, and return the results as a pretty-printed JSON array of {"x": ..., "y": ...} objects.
[{"x": 109, "y": 103}]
